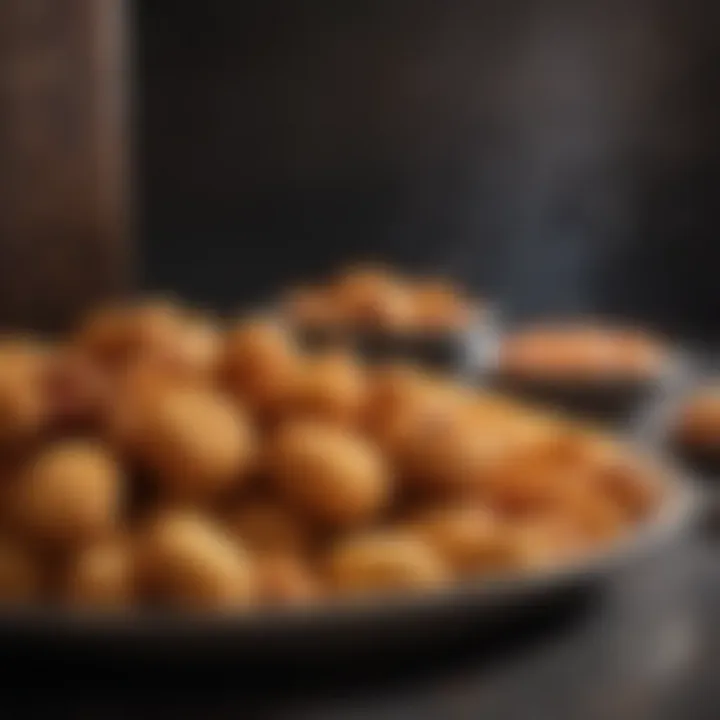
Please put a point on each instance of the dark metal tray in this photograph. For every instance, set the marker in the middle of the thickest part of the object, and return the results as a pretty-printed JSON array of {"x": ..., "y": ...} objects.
[{"x": 350, "y": 627}]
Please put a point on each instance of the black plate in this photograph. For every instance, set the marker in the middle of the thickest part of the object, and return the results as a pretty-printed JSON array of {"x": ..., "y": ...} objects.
[
  {"x": 463, "y": 352},
  {"x": 617, "y": 401},
  {"x": 349, "y": 627}
]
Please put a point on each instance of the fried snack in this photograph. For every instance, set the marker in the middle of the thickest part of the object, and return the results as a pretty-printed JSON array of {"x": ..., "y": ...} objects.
[
  {"x": 20, "y": 573},
  {"x": 331, "y": 387},
  {"x": 372, "y": 298},
  {"x": 438, "y": 306},
  {"x": 179, "y": 343},
  {"x": 101, "y": 576},
  {"x": 405, "y": 404},
  {"x": 268, "y": 528},
  {"x": 384, "y": 561},
  {"x": 196, "y": 352},
  {"x": 328, "y": 473},
  {"x": 77, "y": 392},
  {"x": 23, "y": 407},
  {"x": 260, "y": 367},
  {"x": 197, "y": 443},
  {"x": 69, "y": 495},
  {"x": 285, "y": 579},
  {"x": 311, "y": 308},
  {"x": 544, "y": 541},
  {"x": 115, "y": 334},
  {"x": 445, "y": 454},
  {"x": 627, "y": 482},
  {"x": 699, "y": 422},
  {"x": 186, "y": 561},
  {"x": 469, "y": 538},
  {"x": 581, "y": 353}
]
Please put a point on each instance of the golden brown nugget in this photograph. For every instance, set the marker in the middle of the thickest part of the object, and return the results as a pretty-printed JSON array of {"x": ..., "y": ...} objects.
[
  {"x": 285, "y": 579},
  {"x": 268, "y": 527},
  {"x": 101, "y": 576},
  {"x": 469, "y": 538},
  {"x": 69, "y": 495},
  {"x": 438, "y": 306},
  {"x": 373, "y": 298},
  {"x": 328, "y": 473},
  {"x": 384, "y": 561},
  {"x": 331, "y": 387},
  {"x": 260, "y": 366},
  {"x": 196, "y": 442},
  {"x": 115, "y": 334},
  {"x": 186, "y": 561}
]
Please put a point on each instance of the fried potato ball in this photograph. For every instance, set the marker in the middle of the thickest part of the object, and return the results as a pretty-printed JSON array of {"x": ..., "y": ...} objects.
[
  {"x": 371, "y": 297},
  {"x": 23, "y": 407},
  {"x": 331, "y": 387},
  {"x": 328, "y": 473},
  {"x": 197, "y": 442},
  {"x": 526, "y": 482},
  {"x": 543, "y": 541},
  {"x": 114, "y": 334},
  {"x": 285, "y": 579},
  {"x": 69, "y": 495},
  {"x": 197, "y": 350},
  {"x": 629, "y": 484},
  {"x": 261, "y": 366},
  {"x": 77, "y": 391},
  {"x": 469, "y": 538},
  {"x": 394, "y": 385},
  {"x": 384, "y": 561},
  {"x": 445, "y": 454},
  {"x": 267, "y": 527},
  {"x": 186, "y": 561},
  {"x": 401, "y": 412},
  {"x": 311, "y": 308},
  {"x": 181, "y": 344},
  {"x": 20, "y": 573},
  {"x": 438, "y": 306},
  {"x": 699, "y": 420},
  {"x": 101, "y": 576},
  {"x": 581, "y": 352}
]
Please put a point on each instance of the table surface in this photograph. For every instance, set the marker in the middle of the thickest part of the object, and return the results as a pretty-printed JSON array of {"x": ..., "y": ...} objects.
[
  {"x": 647, "y": 648},
  {"x": 648, "y": 651}
]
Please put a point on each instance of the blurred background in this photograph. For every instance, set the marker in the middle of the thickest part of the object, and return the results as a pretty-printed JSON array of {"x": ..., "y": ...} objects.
[{"x": 559, "y": 156}]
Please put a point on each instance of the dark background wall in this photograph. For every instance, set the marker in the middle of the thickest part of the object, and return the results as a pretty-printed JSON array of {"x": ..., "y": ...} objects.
[{"x": 559, "y": 155}]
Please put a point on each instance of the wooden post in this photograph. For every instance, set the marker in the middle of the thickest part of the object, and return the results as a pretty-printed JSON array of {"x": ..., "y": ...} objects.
[{"x": 63, "y": 147}]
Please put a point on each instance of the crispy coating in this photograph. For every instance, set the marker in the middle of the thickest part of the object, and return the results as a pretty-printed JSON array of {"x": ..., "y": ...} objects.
[
  {"x": 23, "y": 406},
  {"x": 267, "y": 527},
  {"x": 699, "y": 420},
  {"x": 582, "y": 352},
  {"x": 439, "y": 306},
  {"x": 311, "y": 308},
  {"x": 286, "y": 579},
  {"x": 196, "y": 442},
  {"x": 329, "y": 474},
  {"x": 331, "y": 387},
  {"x": 186, "y": 561},
  {"x": 78, "y": 393},
  {"x": 261, "y": 366},
  {"x": 372, "y": 297},
  {"x": 69, "y": 495},
  {"x": 102, "y": 576},
  {"x": 115, "y": 334},
  {"x": 469, "y": 538},
  {"x": 384, "y": 561}
]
